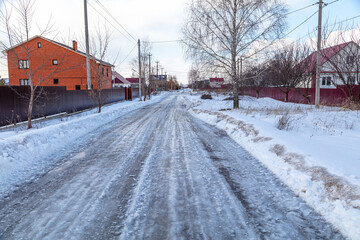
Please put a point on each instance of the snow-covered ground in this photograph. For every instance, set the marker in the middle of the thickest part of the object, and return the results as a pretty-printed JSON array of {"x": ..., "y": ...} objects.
[
  {"x": 26, "y": 154},
  {"x": 316, "y": 153}
]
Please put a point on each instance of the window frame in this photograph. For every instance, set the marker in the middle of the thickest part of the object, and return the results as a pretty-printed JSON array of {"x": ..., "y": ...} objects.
[
  {"x": 24, "y": 82},
  {"x": 39, "y": 44},
  {"x": 56, "y": 81},
  {"x": 350, "y": 59},
  {"x": 327, "y": 80},
  {"x": 24, "y": 64},
  {"x": 351, "y": 80},
  {"x": 55, "y": 62}
]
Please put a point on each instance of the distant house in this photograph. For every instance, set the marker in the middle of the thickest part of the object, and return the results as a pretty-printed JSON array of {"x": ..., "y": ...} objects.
[
  {"x": 135, "y": 82},
  {"x": 119, "y": 81},
  {"x": 329, "y": 78},
  {"x": 4, "y": 81},
  {"x": 216, "y": 82},
  {"x": 54, "y": 64}
]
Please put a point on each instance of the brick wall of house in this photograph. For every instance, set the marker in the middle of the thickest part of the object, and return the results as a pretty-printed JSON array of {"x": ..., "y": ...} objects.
[{"x": 70, "y": 71}]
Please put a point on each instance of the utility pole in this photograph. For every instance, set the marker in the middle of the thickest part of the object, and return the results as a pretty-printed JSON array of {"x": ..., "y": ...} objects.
[
  {"x": 88, "y": 74},
  {"x": 157, "y": 69},
  {"x": 318, "y": 57},
  {"x": 139, "y": 69},
  {"x": 150, "y": 80}
]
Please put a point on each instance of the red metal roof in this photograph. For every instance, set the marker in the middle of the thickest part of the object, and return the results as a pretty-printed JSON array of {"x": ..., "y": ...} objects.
[
  {"x": 216, "y": 79},
  {"x": 134, "y": 80},
  {"x": 118, "y": 78},
  {"x": 326, "y": 54}
]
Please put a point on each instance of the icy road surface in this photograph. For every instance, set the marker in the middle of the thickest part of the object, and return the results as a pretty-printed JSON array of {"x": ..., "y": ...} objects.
[{"x": 159, "y": 173}]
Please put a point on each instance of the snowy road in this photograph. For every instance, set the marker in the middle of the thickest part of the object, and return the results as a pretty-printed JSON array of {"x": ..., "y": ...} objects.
[{"x": 159, "y": 173}]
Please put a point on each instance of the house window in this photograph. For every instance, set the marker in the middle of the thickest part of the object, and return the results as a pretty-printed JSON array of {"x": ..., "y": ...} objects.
[
  {"x": 326, "y": 81},
  {"x": 56, "y": 81},
  {"x": 77, "y": 87},
  {"x": 351, "y": 80},
  {"x": 24, "y": 64},
  {"x": 350, "y": 60},
  {"x": 39, "y": 44},
  {"x": 107, "y": 72},
  {"x": 55, "y": 62},
  {"x": 24, "y": 82}
]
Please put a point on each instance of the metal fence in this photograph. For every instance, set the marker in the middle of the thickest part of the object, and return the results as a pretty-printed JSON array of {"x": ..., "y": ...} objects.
[
  {"x": 331, "y": 97},
  {"x": 51, "y": 100}
]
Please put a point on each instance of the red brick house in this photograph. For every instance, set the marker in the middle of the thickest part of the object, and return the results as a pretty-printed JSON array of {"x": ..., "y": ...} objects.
[{"x": 54, "y": 64}]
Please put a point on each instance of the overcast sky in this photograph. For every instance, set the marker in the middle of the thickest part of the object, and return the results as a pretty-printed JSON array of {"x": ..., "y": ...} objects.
[{"x": 156, "y": 20}]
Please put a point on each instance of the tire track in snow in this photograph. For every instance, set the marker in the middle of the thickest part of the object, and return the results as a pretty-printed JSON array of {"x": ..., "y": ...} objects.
[
  {"x": 70, "y": 203},
  {"x": 179, "y": 179}
]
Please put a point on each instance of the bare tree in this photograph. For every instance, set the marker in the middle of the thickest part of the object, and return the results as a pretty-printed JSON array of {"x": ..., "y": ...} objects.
[
  {"x": 144, "y": 58},
  {"x": 99, "y": 68},
  {"x": 287, "y": 69},
  {"x": 19, "y": 49},
  {"x": 256, "y": 78},
  {"x": 172, "y": 82},
  {"x": 219, "y": 32},
  {"x": 194, "y": 77}
]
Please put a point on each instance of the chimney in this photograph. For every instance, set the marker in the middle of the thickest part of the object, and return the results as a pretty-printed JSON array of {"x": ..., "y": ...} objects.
[{"x": 75, "y": 45}]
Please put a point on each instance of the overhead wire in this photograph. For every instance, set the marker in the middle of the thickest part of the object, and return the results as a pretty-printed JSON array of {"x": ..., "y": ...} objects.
[
  {"x": 110, "y": 22},
  {"x": 108, "y": 12},
  {"x": 127, "y": 56},
  {"x": 297, "y": 10}
]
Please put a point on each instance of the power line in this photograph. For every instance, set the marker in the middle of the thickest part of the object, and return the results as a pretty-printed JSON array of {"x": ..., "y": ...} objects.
[
  {"x": 110, "y": 23},
  {"x": 166, "y": 41},
  {"x": 326, "y": 4},
  {"x": 307, "y": 19},
  {"x": 107, "y": 11},
  {"x": 128, "y": 55},
  {"x": 297, "y": 10}
]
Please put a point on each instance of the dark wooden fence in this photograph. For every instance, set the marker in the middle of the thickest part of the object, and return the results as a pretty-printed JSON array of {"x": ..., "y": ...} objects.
[{"x": 51, "y": 100}]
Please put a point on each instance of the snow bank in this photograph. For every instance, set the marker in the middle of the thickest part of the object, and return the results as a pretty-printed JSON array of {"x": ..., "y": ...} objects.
[
  {"x": 27, "y": 153},
  {"x": 316, "y": 154}
]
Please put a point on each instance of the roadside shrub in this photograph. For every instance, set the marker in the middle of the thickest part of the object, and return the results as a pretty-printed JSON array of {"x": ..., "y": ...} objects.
[
  {"x": 206, "y": 96},
  {"x": 285, "y": 122}
]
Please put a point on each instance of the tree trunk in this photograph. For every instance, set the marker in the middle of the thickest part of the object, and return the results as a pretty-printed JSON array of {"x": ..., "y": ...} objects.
[
  {"x": 99, "y": 101},
  {"x": 257, "y": 94},
  {"x": 307, "y": 97},
  {"x": 236, "y": 95},
  {"x": 286, "y": 96},
  {"x": 30, "y": 107}
]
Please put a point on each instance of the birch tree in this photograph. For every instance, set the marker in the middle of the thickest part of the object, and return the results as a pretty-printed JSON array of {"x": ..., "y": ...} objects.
[{"x": 219, "y": 32}]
